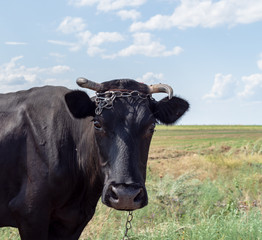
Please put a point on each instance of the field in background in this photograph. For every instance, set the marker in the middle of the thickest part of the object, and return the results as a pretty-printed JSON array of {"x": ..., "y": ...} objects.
[{"x": 203, "y": 182}]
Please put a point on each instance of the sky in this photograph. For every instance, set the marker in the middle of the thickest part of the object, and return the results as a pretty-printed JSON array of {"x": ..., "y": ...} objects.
[{"x": 208, "y": 51}]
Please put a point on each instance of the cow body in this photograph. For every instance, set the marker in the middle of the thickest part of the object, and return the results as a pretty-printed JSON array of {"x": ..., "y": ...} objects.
[
  {"x": 43, "y": 182},
  {"x": 55, "y": 162}
]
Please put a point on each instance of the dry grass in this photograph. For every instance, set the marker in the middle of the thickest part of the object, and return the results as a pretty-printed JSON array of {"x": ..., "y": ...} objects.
[
  {"x": 177, "y": 163},
  {"x": 166, "y": 161}
]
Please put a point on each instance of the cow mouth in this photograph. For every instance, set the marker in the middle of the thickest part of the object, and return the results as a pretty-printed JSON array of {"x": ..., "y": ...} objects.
[{"x": 125, "y": 197}]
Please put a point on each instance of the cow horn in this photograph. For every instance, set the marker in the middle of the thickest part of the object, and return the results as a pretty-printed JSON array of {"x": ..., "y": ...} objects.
[
  {"x": 164, "y": 88},
  {"x": 85, "y": 83}
]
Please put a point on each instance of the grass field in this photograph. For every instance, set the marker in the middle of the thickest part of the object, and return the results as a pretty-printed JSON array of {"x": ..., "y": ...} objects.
[{"x": 203, "y": 182}]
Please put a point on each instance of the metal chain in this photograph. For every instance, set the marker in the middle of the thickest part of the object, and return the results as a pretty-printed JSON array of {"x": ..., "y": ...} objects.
[
  {"x": 128, "y": 225},
  {"x": 106, "y": 99}
]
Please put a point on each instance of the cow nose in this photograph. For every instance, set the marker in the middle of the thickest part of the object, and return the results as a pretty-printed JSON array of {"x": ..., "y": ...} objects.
[{"x": 126, "y": 197}]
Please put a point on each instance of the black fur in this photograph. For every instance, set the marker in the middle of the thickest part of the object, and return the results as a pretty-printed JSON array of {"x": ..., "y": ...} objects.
[
  {"x": 127, "y": 84},
  {"x": 169, "y": 111},
  {"x": 79, "y": 104}
]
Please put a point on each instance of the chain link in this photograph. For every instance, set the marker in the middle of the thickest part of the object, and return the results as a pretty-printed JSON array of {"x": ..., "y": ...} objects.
[
  {"x": 106, "y": 99},
  {"x": 128, "y": 225}
]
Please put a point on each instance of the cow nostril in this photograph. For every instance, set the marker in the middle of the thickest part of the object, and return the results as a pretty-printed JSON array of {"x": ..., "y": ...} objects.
[
  {"x": 113, "y": 193},
  {"x": 139, "y": 195},
  {"x": 125, "y": 196}
]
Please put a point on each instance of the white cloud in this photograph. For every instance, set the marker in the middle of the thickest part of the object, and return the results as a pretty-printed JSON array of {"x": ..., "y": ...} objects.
[
  {"x": 102, "y": 37},
  {"x": 59, "y": 69},
  {"x": 129, "y": 14},
  {"x": 15, "y": 43},
  {"x": 58, "y": 56},
  {"x": 144, "y": 45},
  {"x": 71, "y": 25},
  {"x": 252, "y": 87},
  {"x": 72, "y": 46},
  {"x": 224, "y": 87},
  {"x": 151, "y": 78},
  {"x": 259, "y": 62},
  {"x": 81, "y": 3},
  {"x": 108, "y": 5},
  {"x": 14, "y": 76},
  {"x": 249, "y": 88},
  {"x": 93, "y": 42},
  {"x": 61, "y": 43},
  {"x": 84, "y": 38},
  {"x": 205, "y": 13},
  {"x": 94, "y": 51}
]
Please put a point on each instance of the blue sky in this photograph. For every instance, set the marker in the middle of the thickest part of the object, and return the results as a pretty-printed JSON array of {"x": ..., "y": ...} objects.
[{"x": 209, "y": 51}]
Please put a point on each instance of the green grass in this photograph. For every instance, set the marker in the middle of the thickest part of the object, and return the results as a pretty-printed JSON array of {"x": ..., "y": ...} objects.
[
  {"x": 186, "y": 208},
  {"x": 203, "y": 182},
  {"x": 199, "y": 137}
]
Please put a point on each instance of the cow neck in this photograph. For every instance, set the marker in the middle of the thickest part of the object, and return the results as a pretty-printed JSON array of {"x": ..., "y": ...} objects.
[{"x": 87, "y": 153}]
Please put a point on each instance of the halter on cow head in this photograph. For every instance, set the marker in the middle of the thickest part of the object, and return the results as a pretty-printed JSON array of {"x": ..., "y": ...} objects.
[{"x": 124, "y": 117}]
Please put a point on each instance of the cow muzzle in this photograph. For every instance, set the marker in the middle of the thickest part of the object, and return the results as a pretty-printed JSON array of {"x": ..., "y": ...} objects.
[{"x": 125, "y": 197}]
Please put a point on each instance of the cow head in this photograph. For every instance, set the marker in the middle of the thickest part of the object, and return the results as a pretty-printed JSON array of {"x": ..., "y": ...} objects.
[{"x": 124, "y": 117}]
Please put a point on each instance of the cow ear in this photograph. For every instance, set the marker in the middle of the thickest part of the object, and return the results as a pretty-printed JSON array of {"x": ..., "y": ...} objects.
[
  {"x": 80, "y": 104},
  {"x": 168, "y": 111}
]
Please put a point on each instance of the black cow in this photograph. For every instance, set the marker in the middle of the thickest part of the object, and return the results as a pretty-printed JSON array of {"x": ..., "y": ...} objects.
[{"x": 60, "y": 151}]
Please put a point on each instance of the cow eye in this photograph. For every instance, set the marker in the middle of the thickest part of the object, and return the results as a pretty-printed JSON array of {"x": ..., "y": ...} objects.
[{"x": 97, "y": 125}]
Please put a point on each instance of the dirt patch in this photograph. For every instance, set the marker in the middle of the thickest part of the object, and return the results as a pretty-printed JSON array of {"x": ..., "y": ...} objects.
[
  {"x": 166, "y": 153},
  {"x": 225, "y": 148},
  {"x": 179, "y": 164}
]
